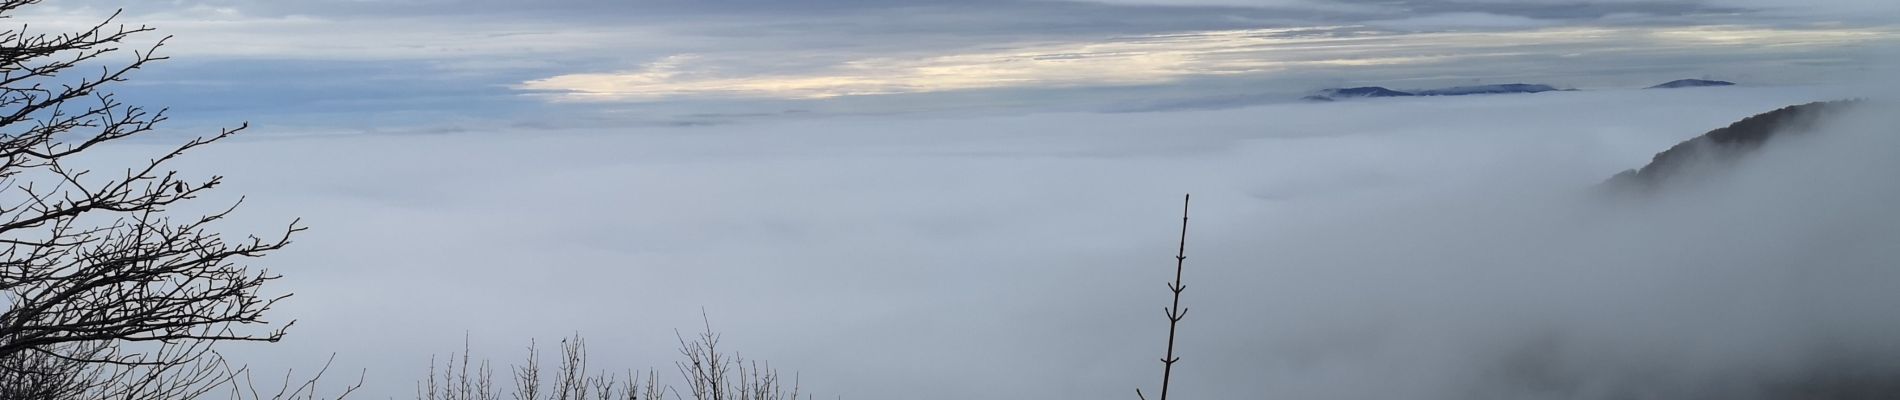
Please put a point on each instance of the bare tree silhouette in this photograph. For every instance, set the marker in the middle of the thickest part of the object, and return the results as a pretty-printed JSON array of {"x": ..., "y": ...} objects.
[
  {"x": 107, "y": 293},
  {"x": 710, "y": 373}
]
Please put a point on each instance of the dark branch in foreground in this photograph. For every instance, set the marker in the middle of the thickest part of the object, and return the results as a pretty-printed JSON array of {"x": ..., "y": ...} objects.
[
  {"x": 108, "y": 293},
  {"x": 1175, "y": 312}
]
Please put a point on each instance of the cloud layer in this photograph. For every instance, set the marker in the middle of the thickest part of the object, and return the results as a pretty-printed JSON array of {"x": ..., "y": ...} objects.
[
  {"x": 1441, "y": 247},
  {"x": 1161, "y": 59}
]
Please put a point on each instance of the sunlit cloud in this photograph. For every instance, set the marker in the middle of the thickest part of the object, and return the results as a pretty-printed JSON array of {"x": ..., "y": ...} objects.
[
  {"x": 1746, "y": 36},
  {"x": 1149, "y": 59}
]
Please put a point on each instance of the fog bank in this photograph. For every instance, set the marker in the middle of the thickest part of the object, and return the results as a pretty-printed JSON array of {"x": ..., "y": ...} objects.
[{"x": 1433, "y": 248}]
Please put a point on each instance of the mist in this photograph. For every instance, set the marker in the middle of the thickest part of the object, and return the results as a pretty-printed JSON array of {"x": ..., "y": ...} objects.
[{"x": 1439, "y": 248}]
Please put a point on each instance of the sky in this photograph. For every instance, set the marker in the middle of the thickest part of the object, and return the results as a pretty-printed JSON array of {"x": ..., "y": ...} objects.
[
  {"x": 357, "y": 66},
  {"x": 924, "y": 199}
]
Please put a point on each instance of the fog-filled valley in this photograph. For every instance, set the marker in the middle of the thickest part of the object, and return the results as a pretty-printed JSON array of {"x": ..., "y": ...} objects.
[
  {"x": 1420, "y": 248},
  {"x": 949, "y": 199}
]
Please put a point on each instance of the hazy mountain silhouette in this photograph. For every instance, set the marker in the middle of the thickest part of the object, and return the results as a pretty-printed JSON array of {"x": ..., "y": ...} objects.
[
  {"x": 1727, "y": 144},
  {"x": 1376, "y": 91},
  {"x": 1356, "y": 92},
  {"x": 1689, "y": 83},
  {"x": 1489, "y": 89}
]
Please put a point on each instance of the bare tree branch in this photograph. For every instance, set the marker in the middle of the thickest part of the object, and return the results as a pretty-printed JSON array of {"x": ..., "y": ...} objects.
[{"x": 107, "y": 293}]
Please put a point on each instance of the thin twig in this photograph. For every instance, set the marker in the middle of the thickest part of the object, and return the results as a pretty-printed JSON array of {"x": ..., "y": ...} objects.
[{"x": 1175, "y": 312}]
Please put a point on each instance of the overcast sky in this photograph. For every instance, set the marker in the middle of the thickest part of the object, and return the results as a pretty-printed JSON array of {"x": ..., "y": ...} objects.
[{"x": 449, "y": 65}]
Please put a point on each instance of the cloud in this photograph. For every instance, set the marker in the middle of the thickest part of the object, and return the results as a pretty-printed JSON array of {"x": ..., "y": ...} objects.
[
  {"x": 1440, "y": 248},
  {"x": 1875, "y": 11},
  {"x": 1555, "y": 10},
  {"x": 1140, "y": 60},
  {"x": 453, "y": 42},
  {"x": 1320, "y": 5},
  {"x": 1334, "y": 245},
  {"x": 1571, "y": 11},
  {"x": 747, "y": 57},
  {"x": 1464, "y": 20},
  {"x": 1164, "y": 58}
]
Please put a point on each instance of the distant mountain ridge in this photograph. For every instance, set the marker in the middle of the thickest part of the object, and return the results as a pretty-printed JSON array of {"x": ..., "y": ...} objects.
[
  {"x": 1727, "y": 143},
  {"x": 1489, "y": 89},
  {"x": 1506, "y": 88},
  {"x": 1689, "y": 83},
  {"x": 1357, "y": 92},
  {"x": 1376, "y": 91}
]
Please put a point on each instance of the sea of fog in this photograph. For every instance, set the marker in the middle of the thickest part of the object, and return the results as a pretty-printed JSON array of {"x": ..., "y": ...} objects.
[{"x": 1424, "y": 248}]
